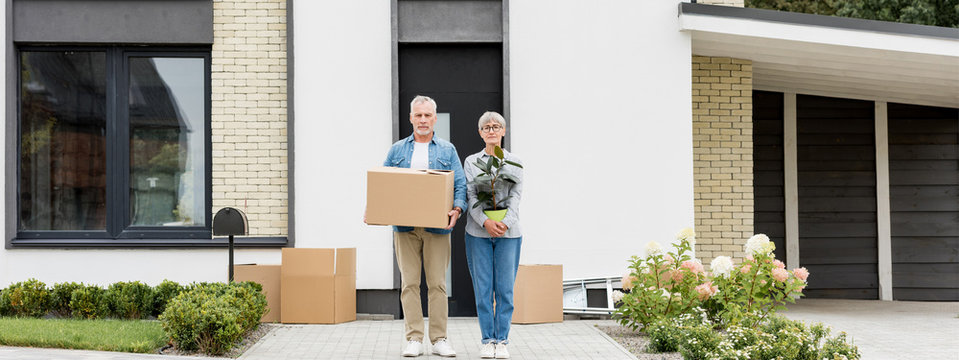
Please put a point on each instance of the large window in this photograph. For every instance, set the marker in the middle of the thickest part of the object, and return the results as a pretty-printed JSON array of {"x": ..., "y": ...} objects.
[{"x": 114, "y": 144}]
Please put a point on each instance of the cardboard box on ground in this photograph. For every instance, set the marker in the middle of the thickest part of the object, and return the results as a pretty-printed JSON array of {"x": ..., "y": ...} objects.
[
  {"x": 269, "y": 277},
  {"x": 538, "y": 294},
  {"x": 408, "y": 197},
  {"x": 318, "y": 286}
]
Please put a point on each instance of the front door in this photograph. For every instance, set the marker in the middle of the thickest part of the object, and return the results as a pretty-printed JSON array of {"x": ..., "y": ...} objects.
[{"x": 466, "y": 80}]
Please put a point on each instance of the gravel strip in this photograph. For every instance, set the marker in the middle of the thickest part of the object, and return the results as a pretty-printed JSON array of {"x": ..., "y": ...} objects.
[{"x": 635, "y": 342}]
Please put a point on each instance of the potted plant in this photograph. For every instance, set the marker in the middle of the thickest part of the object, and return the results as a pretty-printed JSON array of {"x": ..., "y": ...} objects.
[{"x": 490, "y": 174}]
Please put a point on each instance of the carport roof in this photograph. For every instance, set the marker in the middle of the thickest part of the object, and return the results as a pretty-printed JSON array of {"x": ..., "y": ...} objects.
[{"x": 831, "y": 56}]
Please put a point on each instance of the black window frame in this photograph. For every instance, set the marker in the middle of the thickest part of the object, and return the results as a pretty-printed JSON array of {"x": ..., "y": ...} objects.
[{"x": 119, "y": 232}]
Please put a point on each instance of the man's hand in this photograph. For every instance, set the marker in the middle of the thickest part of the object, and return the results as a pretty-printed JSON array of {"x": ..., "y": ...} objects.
[
  {"x": 495, "y": 228},
  {"x": 453, "y": 214}
]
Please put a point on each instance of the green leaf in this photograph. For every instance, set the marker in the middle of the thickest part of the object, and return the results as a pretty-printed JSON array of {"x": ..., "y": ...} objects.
[
  {"x": 482, "y": 179},
  {"x": 481, "y": 164},
  {"x": 509, "y": 178},
  {"x": 496, "y": 162},
  {"x": 498, "y": 151},
  {"x": 513, "y": 163},
  {"x": 483, "y": 196}
]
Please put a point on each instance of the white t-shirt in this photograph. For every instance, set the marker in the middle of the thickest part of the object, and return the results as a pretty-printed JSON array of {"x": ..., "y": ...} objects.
[{"x": 421, "y": 156}]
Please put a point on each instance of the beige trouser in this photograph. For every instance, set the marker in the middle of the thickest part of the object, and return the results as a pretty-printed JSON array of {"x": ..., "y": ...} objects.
[{"x": 433, "y": 251}]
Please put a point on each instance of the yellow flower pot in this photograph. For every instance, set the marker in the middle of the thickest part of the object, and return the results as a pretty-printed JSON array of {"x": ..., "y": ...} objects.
[{"x": 496, "y": 215}]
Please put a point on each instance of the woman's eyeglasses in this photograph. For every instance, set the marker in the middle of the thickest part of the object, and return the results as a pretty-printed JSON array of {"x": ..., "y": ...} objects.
[{"x": 491, "y": 128}]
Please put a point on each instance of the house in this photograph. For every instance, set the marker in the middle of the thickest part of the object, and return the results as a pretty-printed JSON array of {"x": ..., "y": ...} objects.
[{"x": 130, "y": 122}]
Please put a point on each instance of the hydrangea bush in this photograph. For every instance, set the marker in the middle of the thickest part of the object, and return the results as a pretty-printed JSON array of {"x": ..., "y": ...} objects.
[
  {"x": 667, "y": 284},
  {"x": 661, "y": 285},
  {"x": 726, "y": 313}
]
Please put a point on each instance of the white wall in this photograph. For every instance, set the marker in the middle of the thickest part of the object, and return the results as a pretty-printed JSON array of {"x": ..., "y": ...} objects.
[
  {"x": 601, "y": 116},
  {"x": 343, "y": 126},
  {"x": 104, "y": 267}
]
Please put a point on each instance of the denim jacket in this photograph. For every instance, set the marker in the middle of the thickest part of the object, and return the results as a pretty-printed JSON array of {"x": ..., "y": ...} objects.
[{"x": 443, "y": 156}]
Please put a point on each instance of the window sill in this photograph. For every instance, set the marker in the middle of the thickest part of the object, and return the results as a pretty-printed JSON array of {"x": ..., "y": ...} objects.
[{"x": 218, "y": 242}]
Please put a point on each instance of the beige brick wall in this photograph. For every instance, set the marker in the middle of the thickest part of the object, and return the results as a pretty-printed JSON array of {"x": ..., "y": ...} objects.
[
  {"x": 738, "y": 3},
  {"x": 249, "y": 122},
  {"x": 722, "y": 155}
]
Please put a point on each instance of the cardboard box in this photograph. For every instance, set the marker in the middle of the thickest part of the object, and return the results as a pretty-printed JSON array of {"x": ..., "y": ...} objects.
[
  {"x": 398, "y": 196},
  {"x": 319, "y": 286},
  {"x": 269, "y": 277},
  {"x": 538, "y": 294}
]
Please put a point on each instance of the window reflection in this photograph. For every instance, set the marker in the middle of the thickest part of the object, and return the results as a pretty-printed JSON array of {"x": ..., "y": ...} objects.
[
  {"x": 62, "y": 140},
  {"x": 167, "y": 133}
]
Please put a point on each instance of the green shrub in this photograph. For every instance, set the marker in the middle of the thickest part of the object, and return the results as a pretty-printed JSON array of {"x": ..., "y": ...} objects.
[
  {"x": 89, "y": 302},
  {"x": 163, "y": 293},
  {"x": 60, "y": 297},
  {"x": 212, "y": 317},
  {"x": 664, "y": 336},
  {"x": 130, "y": 300},
  {"x": 837, "y": 348},
  {"x": 26, "y": 298},
  {"x": 698, "y": 341}
]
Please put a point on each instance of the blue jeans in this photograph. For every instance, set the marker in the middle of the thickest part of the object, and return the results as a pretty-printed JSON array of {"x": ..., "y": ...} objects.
[{"x": 492, "y": 263}]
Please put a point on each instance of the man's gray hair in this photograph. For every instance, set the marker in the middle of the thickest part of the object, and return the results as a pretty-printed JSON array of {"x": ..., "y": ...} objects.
[
  {"x": 419, "y": 99},
  {"x": 492, "y": 116}
]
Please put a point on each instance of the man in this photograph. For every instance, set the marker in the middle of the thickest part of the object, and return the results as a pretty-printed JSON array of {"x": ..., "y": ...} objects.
[{"x": 428, "y": 247}]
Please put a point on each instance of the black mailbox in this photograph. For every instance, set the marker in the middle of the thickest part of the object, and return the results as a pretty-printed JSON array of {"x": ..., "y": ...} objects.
[{"x": 228, "y": 222}]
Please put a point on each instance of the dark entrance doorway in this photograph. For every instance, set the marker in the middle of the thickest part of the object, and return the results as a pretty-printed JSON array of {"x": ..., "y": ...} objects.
[{"x": 466, "y": 80}]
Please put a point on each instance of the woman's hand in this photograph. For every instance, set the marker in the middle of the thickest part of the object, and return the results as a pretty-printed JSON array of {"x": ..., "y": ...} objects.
[{"x": 495, "y": 228}]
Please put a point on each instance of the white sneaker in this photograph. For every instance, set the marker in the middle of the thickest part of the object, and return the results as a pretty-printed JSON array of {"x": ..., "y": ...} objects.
[
  {"x": 413, "y": 349},
  {"x": 443, "y": 348},
  {"x": 501, "y": 352},
  {"x": 488, "y": 351}
]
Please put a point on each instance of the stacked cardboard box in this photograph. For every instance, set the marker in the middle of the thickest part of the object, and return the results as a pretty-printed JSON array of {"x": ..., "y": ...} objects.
[{"x": 318, "y": 286}]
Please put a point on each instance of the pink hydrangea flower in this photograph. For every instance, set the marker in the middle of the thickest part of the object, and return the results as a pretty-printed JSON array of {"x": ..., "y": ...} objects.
[
  {"x": 779, "y": 264},
  {"x": 745, "y": 269},
  {"x": 801, "y": 273},
  {"x": 706, "y": 290},
  {"x": 780, "y": 274},
  {"x": 628, "y": 280},
  {"x": 676, "y": 275},
  {"x": 668, "y": 259},
  {"x": 693, "y": 266}
]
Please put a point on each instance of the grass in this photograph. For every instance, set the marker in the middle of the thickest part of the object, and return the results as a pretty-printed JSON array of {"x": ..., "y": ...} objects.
[{"x": 107, "y": 335}]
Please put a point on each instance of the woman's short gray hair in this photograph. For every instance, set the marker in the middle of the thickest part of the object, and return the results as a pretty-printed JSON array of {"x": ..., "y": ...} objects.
[
  {"x": 492, "y": 116},
  {"x": 422, "y": 99}
]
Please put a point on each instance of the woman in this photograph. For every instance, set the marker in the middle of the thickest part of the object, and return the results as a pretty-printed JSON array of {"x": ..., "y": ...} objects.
[{"x": 492, "y": 247}]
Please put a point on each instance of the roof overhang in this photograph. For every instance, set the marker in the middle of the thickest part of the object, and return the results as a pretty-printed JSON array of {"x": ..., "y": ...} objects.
[{"x": 831, "y": 56}]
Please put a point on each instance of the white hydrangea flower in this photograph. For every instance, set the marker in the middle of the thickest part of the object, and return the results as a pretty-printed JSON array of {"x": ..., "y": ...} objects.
[
  {"x": 757, "y": 244},
  {"x": 688, "y": 234},
  {"x": 653, "y": 248},
  {"x": 721, "y": 266},
  {"x": 617, "y": 296}
]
